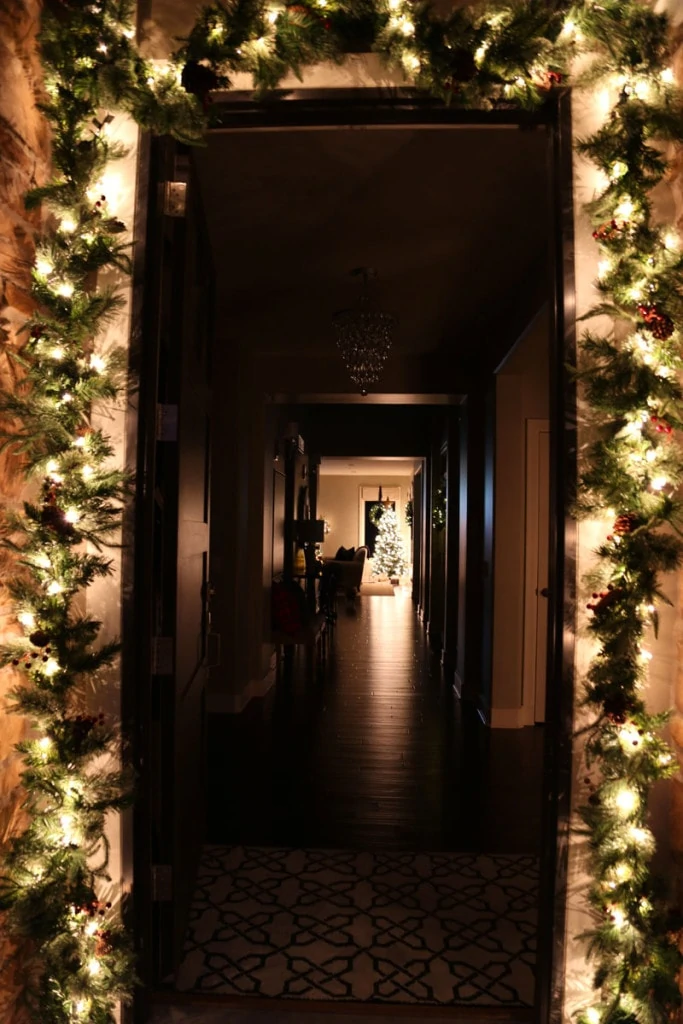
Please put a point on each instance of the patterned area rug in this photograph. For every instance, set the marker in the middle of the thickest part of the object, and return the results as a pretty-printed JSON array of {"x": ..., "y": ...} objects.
[{"x": 383, "y": 927}]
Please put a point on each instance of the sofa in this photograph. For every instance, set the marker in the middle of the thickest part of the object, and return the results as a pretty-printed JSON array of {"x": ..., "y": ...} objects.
[{"x": 348, "y": 573}]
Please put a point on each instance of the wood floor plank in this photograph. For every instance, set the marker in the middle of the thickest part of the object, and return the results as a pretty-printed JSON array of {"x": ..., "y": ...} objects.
[{"x": 378, "y": 753}]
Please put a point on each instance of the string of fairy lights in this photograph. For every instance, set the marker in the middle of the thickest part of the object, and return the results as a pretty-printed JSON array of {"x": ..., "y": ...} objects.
[{"x": 54, "y": 884}]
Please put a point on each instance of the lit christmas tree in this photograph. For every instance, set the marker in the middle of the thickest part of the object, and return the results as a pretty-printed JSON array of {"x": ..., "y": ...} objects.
[{"x": 388, "y": 558}]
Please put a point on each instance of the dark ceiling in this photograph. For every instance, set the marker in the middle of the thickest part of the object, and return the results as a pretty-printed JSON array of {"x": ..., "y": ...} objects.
[{"x": 453, "y": 219}]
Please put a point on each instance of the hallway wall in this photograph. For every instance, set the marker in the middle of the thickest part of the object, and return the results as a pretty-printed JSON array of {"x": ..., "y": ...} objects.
[{"x": 521, "y": 394}]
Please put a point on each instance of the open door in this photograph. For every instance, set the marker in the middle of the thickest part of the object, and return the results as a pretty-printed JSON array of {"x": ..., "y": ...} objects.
[
  {"x": 536, "y": 568},
  {"x": 174, "y": 551}
]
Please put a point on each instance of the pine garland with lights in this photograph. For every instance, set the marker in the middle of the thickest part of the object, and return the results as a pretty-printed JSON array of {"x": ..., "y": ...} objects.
[
  {"x": 55, "y": 885},
  {"x": 502, "y": 54}
]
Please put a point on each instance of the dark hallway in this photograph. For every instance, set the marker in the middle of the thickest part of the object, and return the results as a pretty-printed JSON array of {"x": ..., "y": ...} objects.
[{"x": 376, "y": 754}]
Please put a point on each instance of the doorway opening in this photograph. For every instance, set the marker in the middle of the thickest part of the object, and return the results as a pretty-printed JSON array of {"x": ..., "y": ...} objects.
[{"x": 477, "y": 305}]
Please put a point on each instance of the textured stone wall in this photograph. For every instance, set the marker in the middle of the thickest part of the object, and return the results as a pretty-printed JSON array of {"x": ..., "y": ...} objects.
[{"x": 24, "y": 156}]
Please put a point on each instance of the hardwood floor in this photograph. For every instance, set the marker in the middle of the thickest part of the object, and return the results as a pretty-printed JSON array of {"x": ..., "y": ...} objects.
[{"x": 377, "y": 754}]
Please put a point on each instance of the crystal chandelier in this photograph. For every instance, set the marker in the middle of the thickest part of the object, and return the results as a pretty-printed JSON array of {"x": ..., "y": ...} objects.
[{"x": 363, "y": 336}]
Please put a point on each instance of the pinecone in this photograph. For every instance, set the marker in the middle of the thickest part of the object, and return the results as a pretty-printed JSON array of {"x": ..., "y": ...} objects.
[
  {"x": 625, "y": 523},
  {"x": 661, "y": 325}
]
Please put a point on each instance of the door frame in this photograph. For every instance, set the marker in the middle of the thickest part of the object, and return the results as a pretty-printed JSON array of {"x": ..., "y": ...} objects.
[{"x": 310, "y": 108}]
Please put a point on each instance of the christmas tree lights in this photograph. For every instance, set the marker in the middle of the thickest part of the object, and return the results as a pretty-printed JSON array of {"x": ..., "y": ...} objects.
[
  {"x": 388, "y": 558},
  {"x": 489, "y": 56}
]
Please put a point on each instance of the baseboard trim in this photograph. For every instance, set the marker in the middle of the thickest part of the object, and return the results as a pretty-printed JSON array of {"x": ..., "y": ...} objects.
[
  {"x": 234, "y": 703},
  {"x": 508, "y": 718}
]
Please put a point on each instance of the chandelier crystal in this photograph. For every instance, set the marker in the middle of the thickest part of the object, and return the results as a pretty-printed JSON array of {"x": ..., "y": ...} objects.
[{"x": 364, "y": 336}]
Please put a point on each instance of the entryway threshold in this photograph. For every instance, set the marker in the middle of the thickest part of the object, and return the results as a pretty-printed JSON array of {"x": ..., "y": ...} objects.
[{"x": 171, "y": 1007}]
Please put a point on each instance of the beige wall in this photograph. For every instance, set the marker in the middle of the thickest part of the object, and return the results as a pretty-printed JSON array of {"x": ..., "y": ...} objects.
[
  {"x": 339, "y": 502},
  {"x": 521, "y": 394}
]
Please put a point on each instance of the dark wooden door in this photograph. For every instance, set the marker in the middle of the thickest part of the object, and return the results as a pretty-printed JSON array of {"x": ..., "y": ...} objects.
[{"x": 176, "y": 484}]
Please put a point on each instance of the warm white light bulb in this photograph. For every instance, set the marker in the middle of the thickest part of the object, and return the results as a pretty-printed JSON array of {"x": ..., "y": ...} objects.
[
  {"x": 129, "y": 33},
  {"x": 272, "y": 16},
  {"x": 629, "y": 737},
  {"x": 79, "y": 442},
  {"x": 58, "y": 353},
  {"x": 604, "y": 267},
  {"x": 94, "y": 967},
  {"x": 91, "y": 927},
  {"x": 665, "y": 758},
  {"x": 667, "y": 76},
  {"x": 618, "y": 917},
  {"x": 643, "y": 89},
  {"x": 72, "y": 515},
  {"x": 44, "y": 266},
  {"x": 44, "y": 743},
  {"x": 658, "y": 483},
  {"x": 65, "y": 289},
  {"x": 55, "y": 588},
  {"x": 672, "y": 239},
  {"x": 87, "y": 472},
  {"x": 626, "y": 801},
  {"x": 51, "y": 667},
  {"x": 103, "y": 48},
  {"x": 618, "y": 170},
  {"x": 407, "y": 27},
  {"x": 592, "y": 1015},
  {"x": 97, "y": 363},
  {"x": 624, "y": 209},
  {"x": 66, "y": 397},
  {"x": 27, "y": 619},
  {"x": 639, "y": 835},
  {"x": 623, "y": 871},
  {"x": 67, "y": 225},
  {"x": 42, "y": 561}
]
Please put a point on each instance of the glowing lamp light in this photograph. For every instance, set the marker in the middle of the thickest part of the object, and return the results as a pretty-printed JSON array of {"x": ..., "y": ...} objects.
[
  {"x": 44, "y": 267},
  {"x": 54, "y": 588},
  {"x": 94, "y": 967},
  {"x": 51, "y": 667},
  {"x": 658, "y": 483},
  {"x": 97, "y": 363},
  {"x": 65, "y": 289},
  {"x": 626, "y": 801},
  {"x": 72, "y": 515},
  {"x": 27, "y": 619},
  {"x": 67, "y": 225}
]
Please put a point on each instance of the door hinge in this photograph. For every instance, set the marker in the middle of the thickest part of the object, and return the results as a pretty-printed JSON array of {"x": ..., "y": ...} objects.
[
  {"x": 167, "y": 422},
  {"x": 173, "y": 198},
  {"x": 162, "y": 655},
  {"x": 162, "y": 883}
]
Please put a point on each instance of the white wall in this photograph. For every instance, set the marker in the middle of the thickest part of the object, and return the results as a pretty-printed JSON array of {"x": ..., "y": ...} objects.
[{"x": 339, "y": 503}]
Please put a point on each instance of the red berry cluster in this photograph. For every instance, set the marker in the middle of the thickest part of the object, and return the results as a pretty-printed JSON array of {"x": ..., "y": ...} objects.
[
  {"x": 93, "y": 908},
  {"x": 607, "y": 232},
  {"x": 661, "y": 325},
  {"x": 605, "y": 598},
  {"x": 28, "y": 659},
  {"x": 661, "y": 425},
  {"x": 82, "y": 726}
]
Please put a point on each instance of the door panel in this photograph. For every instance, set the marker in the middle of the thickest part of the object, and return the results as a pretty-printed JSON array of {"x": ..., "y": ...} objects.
[{"x": 179, "y": 297}]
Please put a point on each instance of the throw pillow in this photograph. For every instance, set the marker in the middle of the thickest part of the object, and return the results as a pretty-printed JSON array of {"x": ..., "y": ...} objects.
[{"x": 344, "y": 554}]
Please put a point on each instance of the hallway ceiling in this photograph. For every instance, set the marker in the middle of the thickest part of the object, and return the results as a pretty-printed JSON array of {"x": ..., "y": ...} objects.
[
  {"x": 387, "y": 466},
  {"x": 454, "y": 221}
]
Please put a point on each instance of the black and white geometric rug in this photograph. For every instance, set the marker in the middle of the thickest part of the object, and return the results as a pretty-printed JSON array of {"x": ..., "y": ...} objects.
[{"x": 388, "y": 927}]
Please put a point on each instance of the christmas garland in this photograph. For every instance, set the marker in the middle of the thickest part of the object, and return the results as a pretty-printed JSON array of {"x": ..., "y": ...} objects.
[{"x": 490, "y": 56}]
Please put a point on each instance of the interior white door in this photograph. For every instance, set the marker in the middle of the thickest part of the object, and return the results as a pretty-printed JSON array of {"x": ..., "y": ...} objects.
[{"x": 536, "y": 569}]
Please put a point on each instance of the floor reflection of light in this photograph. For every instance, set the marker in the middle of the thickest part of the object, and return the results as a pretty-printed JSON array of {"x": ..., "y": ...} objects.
[{"x": 391, "y": 701}]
